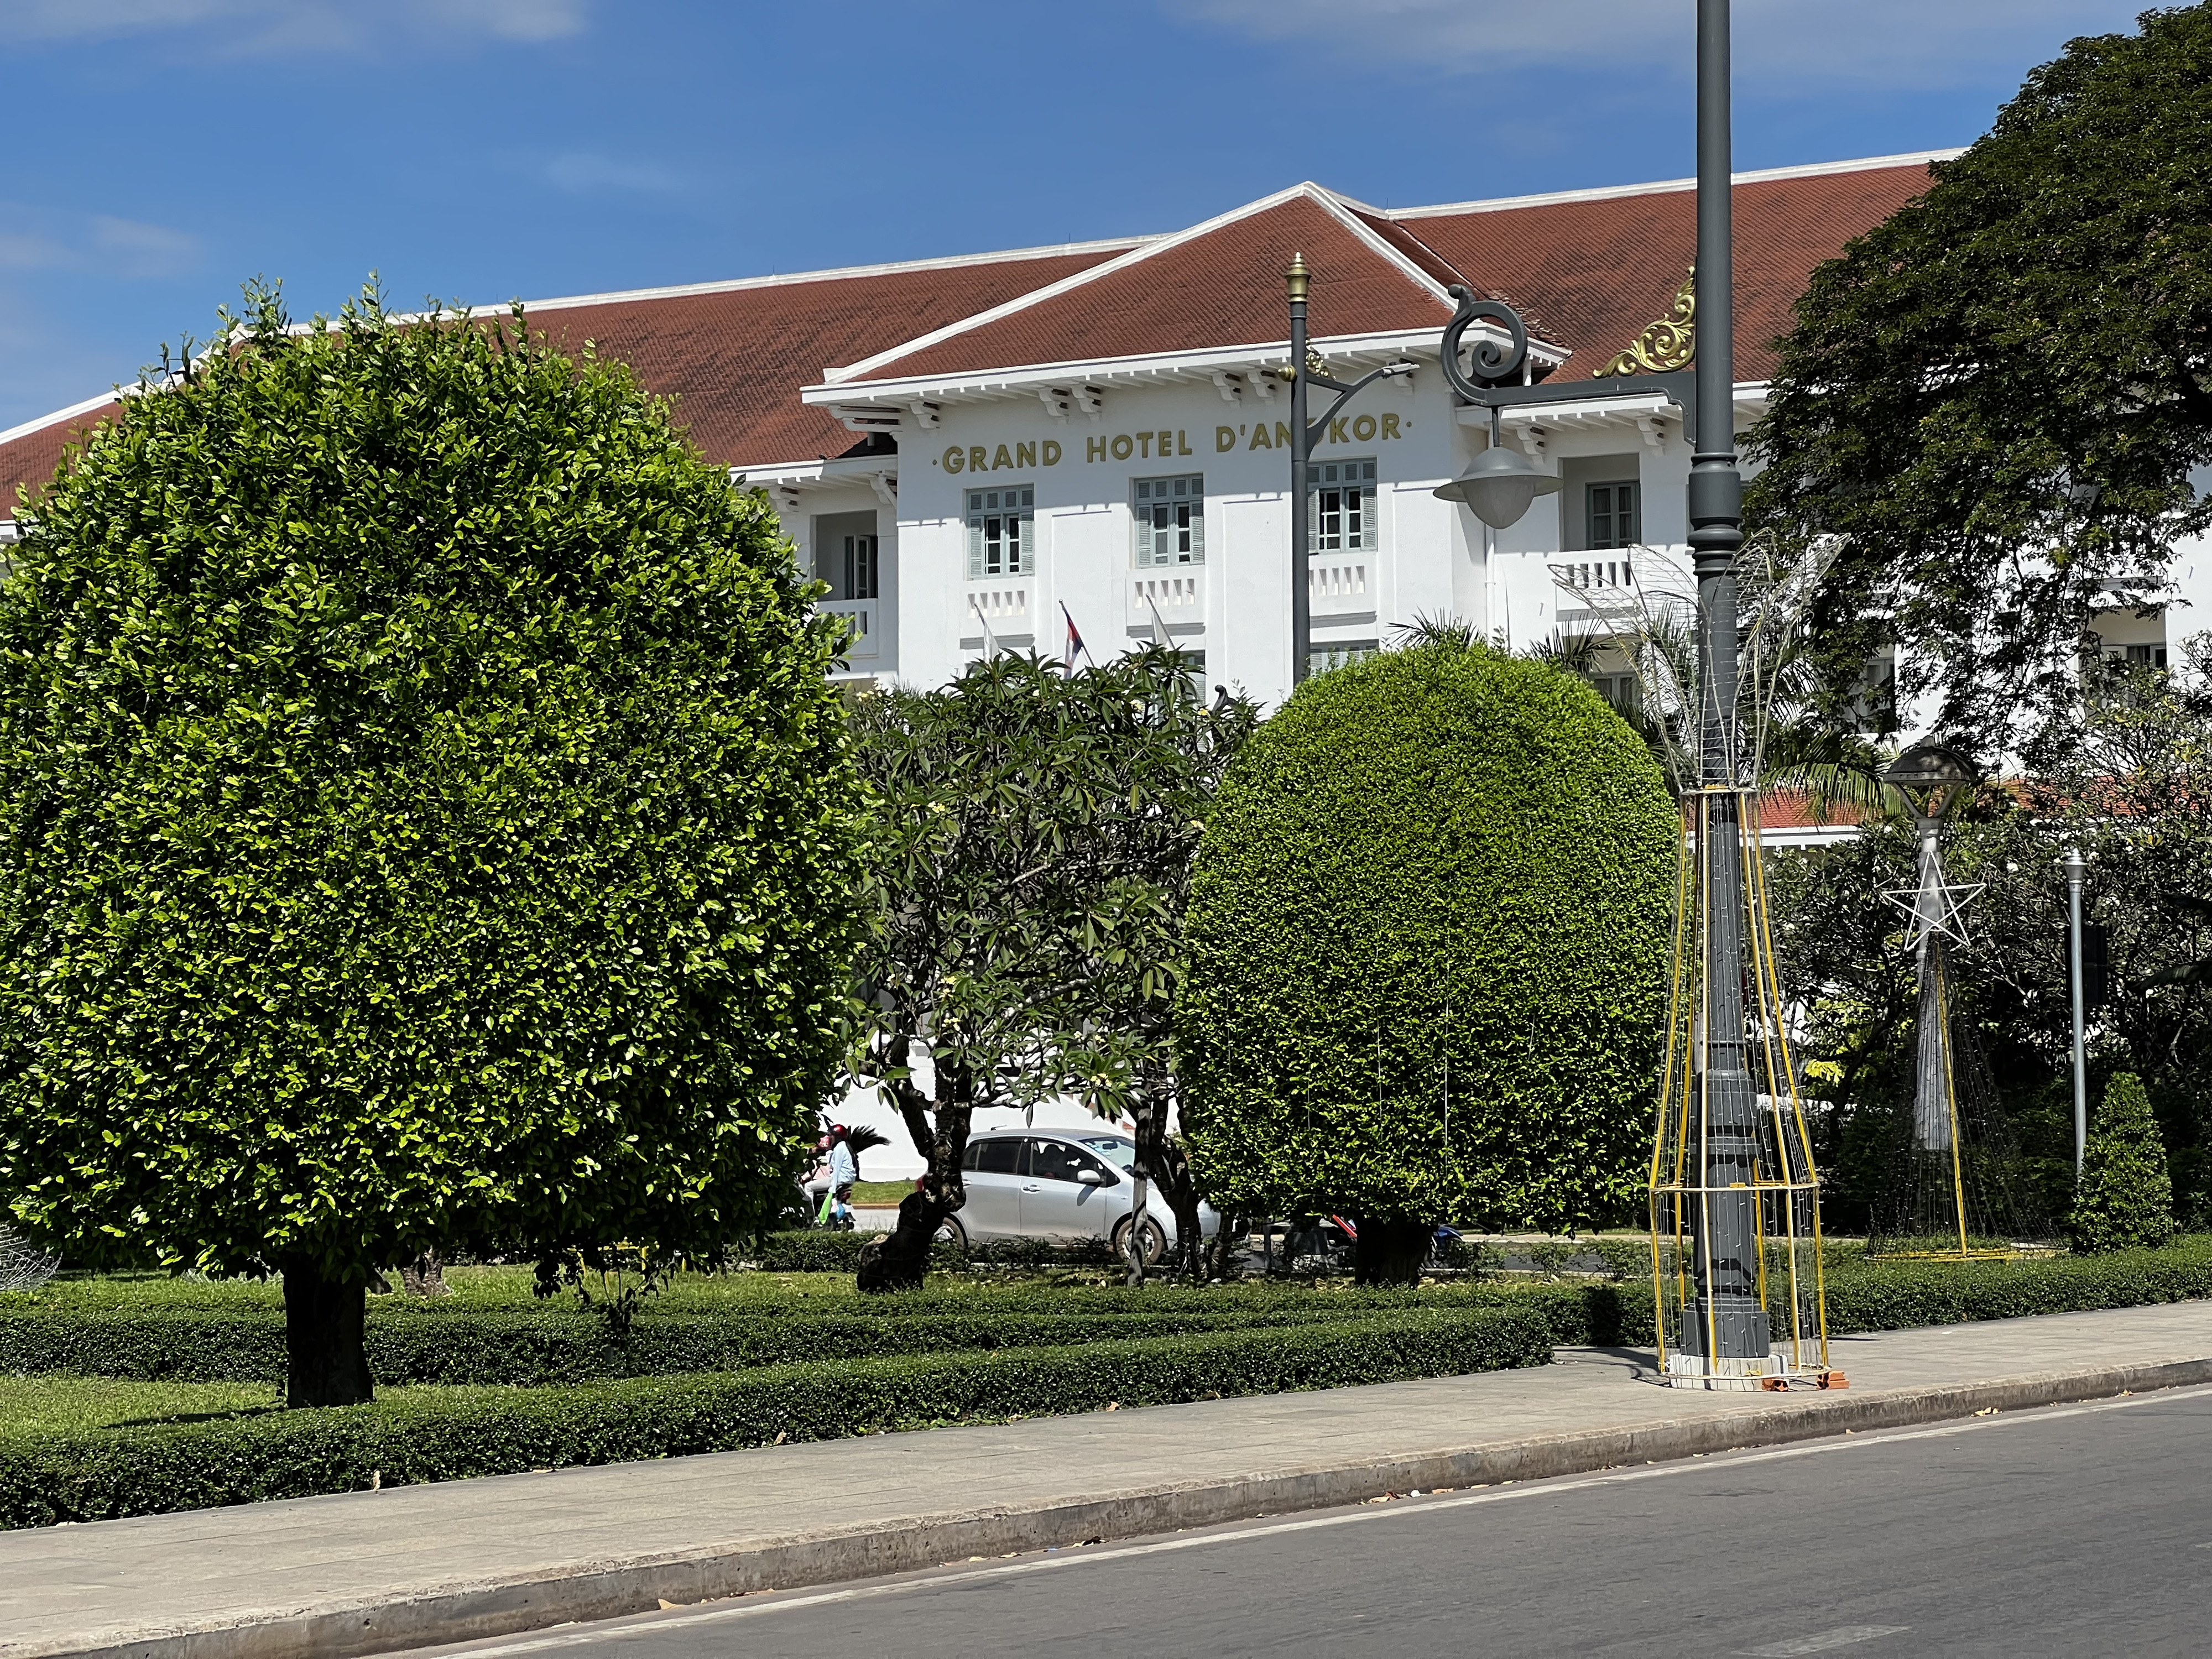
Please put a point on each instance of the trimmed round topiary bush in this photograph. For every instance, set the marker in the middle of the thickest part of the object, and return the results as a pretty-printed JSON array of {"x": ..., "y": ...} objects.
[{"x": 1429, "y": 929}]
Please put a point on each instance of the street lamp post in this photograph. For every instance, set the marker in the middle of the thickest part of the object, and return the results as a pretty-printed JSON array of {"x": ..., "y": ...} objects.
[
  {"x": 1297, "y": 282},
  {"x": 1727, "y": 1334},
  {"x": 2076, "y": 868},
  {"x": 1730, "y": 1311}
]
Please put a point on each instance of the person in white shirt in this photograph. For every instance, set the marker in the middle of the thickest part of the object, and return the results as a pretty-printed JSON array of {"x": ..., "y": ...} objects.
[{"x": 844, "y": 1170}]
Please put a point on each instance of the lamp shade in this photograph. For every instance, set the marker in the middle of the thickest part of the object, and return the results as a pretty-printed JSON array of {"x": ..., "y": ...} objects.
[{"x": 1500, "y": 486}]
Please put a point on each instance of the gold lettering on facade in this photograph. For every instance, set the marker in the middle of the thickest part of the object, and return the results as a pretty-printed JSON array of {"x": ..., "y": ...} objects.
[{"x": 1171, "y": 442}]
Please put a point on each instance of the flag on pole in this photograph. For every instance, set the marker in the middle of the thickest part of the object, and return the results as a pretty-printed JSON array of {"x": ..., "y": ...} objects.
[
  {"x": 1074, "y": 646},
  {"x": 1159, "y": 626}
]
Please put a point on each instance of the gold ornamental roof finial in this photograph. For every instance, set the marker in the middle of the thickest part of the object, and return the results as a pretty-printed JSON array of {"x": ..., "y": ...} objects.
[
  {"x": 1298, "y": 278},
  {"x": 1667, "y": 344}
]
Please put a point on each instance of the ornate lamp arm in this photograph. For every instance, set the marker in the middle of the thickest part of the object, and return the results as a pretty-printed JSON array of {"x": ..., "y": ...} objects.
[{"x": 1493, "y": 364}]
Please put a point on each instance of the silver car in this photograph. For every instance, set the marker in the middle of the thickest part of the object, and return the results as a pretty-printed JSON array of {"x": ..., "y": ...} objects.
[{"x": 1065, "y": 1185}]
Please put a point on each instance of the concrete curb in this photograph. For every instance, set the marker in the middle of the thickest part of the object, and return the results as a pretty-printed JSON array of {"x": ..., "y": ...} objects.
[{"x": 610, "y": 1586}]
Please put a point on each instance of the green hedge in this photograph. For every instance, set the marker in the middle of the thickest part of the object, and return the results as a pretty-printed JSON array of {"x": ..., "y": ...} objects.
[
  {"x": 442, "y": 1343},
  {"x": 815, "y": 1251},
  {"x": 820, "y": 1250},
  {"x": 1881, "y": 1296},
  {"x": 525, "y": 1349},
  {"x": 101, "y": 1475}
]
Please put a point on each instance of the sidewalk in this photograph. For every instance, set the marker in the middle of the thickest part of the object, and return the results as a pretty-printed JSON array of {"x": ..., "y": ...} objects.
[{"x": 369, "y": 1572}]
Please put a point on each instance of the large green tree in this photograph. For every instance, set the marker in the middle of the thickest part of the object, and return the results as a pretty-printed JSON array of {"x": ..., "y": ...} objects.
[
  {"x": 1428, "y": 937},
  {"x": 1034, "y": 832},
  {"x": 1993, "y": 399},
  {"x": 423, "y": 822}
]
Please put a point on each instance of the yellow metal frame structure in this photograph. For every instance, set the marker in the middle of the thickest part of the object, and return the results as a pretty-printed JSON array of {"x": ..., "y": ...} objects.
[{"x": 1791, "y": 1287}]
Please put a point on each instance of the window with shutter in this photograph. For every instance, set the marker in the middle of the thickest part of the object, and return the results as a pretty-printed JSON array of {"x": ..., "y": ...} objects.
[
  {"x": 1343, "y": 512},
  {"x": 1171, "y": 521},
  {"x": 1612, "y": 515},
  {"x": 1001, "y": 532}
]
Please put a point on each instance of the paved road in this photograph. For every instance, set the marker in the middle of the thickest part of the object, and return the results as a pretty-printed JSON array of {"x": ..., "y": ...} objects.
[{"x": 2074, "y": 1530}]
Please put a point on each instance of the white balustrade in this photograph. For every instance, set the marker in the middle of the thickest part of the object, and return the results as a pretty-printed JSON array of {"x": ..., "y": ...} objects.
[
  {"x": 861, "y": 618},
  {"x": 1168, "y": 593},
  {"x": 1343, "y": 585}
]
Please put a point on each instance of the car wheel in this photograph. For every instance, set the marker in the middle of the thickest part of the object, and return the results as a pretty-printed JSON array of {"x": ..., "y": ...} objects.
[
  {"x": 1152, "y": 1242},
  {"x": 951, "y": 1236}
]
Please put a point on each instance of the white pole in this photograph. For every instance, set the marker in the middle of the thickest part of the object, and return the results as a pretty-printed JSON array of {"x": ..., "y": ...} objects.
[{"x": 2075, "y": 868}]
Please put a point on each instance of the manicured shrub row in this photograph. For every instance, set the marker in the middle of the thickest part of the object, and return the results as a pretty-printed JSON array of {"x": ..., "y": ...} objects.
[
  {"x": 818, "y": 1250},
  {"x": 821, "y": 1251},
  {"x": 140, "y": 1471},
  {"x": 1888, "y": 1296},
  {"x": 1892, "y": 1295},
  {"x": 519, "y": 1348}
]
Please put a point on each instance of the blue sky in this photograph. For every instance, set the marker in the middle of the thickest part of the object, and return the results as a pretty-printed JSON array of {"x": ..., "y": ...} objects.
[{"x": 162, "y": 151}]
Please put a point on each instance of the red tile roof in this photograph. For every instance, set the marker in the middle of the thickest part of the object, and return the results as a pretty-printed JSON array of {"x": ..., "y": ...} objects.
[
  {"x": 1222, "y": 287},
  {"x": 733, "y": 357},
  {"x": 1781, "y": 810},
  {"x": 1599, "y": 271},
  {"x": 30, "y": 457},
  {"x": 1589, "y": 273}
]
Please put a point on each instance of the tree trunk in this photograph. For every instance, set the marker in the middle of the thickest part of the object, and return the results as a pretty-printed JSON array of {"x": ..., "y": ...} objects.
[
  {"x": 1391, "y": 1252},
  {"x": 899, "y": 1260},
  {"x": 326, "y": 1362},
  {"x": 425, "y": 1276}
]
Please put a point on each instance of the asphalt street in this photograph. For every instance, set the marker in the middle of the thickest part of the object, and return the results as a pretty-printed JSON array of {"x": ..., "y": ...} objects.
[{"x": 2073, "y": 1530}]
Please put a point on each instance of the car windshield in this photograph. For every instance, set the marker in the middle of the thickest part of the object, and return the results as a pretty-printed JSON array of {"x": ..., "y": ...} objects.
[{"x": 1122, "y": 1154}]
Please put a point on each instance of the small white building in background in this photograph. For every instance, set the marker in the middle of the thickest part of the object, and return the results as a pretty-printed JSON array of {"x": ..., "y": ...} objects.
[{"x": 975, "y": 454}]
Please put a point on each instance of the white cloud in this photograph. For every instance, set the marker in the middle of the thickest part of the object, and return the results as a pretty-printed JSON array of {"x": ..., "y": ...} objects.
[
  {"x": 132, "y": 249},
  {"x": 589, "y": 173},
  {"x": 261, "y": 28},
  {"x": 40, "y": 239},
  {"x": 1889, "y": 44}
]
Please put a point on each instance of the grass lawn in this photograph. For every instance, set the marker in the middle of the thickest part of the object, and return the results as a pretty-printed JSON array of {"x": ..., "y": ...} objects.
[
  {"x": 880, "y": 1192},
  {"x": 31, "y": 1405}
]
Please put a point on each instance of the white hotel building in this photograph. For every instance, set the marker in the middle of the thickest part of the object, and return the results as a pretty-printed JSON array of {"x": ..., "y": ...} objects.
[
  {"x": 968, "y": 450},
  {"x": 971, "y": 452}
]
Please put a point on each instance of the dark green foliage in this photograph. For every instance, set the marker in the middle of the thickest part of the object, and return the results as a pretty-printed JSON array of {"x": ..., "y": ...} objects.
[
  {"x": 2014, "y": 361},
  {"x": 2125, "y": 1201},
  {"x": 1438, "y": 854},
  {"x": 2124, "y": 777},
  {"x": 251, "y": 1459},
  {"x": 526, "y": 1350},
  {"x": 814, "y": 1250},
  {"x": 425, "y": 820},
  {"x": 1033, "y": 833}
]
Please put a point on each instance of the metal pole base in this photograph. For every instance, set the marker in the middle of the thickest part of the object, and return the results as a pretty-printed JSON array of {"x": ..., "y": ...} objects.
[{"x": 1771, "y": 1375}]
